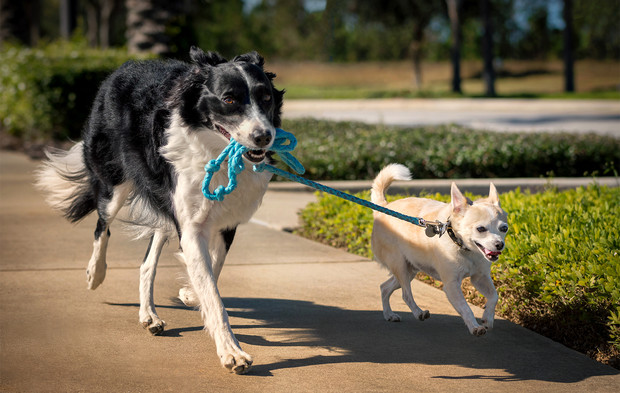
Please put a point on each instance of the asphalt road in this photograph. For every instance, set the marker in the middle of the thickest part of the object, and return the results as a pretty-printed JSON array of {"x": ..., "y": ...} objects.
[{"x": 523, "y": 115}]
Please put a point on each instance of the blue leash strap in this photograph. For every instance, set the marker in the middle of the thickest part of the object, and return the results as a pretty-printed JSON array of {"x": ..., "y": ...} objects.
[{"x": 351, "y": 198}]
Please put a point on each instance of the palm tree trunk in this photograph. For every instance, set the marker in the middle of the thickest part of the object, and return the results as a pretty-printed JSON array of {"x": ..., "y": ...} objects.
[
  {"x": 487, "y": 49},
  {"x": 454, "y": 12},
  {"x": 569, "y": 61}
]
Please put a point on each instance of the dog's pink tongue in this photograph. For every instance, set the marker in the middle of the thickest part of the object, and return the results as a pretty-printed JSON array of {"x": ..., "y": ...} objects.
[{"x": 492, "y": 253}]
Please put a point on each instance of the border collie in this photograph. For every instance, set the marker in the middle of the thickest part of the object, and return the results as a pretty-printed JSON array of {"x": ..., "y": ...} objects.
[{"x": 152, "y": 128}]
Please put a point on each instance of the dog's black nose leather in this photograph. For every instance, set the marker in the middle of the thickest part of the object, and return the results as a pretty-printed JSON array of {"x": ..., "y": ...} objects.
[
  {"x": 261, "y": 138},
  {"x": 499, "y": 245}
]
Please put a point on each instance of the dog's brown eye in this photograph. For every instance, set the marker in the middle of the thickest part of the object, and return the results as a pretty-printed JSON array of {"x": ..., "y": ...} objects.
[
  {"x": 503, "y": 228},
  {"x": 267, "y": 97},
  {"x": 228, "y": 100},
  {"x": 481, "y": 229}
]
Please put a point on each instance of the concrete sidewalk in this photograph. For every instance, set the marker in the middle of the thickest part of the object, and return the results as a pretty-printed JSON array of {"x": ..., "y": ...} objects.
[{"x": 310, "y": 316}]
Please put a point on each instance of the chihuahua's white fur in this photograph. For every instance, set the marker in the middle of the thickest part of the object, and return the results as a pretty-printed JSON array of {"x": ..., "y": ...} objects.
[{"x": 404, "y": 249}]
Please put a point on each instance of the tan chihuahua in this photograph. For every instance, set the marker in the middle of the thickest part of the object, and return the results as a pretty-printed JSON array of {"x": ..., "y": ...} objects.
[{"x": 476, "y": 232}]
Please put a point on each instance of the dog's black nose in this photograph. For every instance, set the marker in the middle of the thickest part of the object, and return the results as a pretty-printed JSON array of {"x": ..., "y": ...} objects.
[
  {"x": 499, "y": 245},
  {"x": 261, "y": 138}
]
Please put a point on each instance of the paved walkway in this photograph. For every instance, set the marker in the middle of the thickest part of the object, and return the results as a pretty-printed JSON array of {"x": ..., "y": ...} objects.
[
  {"x": 521, "y": 115},
  {"x": 309, "y": 314}
]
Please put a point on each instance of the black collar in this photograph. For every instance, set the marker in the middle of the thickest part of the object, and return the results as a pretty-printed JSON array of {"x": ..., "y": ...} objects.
[{"x": 458, "y": 241}]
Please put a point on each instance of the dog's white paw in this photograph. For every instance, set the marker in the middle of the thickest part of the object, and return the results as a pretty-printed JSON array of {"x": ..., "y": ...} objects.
[
  {"x": 154, "y": 325},
  {"x": 478, "y": 331},
  {"x": 238, "y": 362},
  {"x": 391, "y": 316},
  {"x": 188, "y": 297},
  {"x": 95, "y": 274}
]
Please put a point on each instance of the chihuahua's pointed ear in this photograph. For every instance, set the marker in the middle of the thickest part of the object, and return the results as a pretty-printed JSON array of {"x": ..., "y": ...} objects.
[
  {"x": 493, "y": 195},
  {"x": 459, "y": 201},
  {"x": 202, "y": 58}
]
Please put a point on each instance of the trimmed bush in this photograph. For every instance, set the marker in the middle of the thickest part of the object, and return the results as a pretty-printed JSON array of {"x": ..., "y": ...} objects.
[
  {"x": 559, "y": 275},
  {"x": 357, "y": 151},
  {"x": 47, "y": 93}
]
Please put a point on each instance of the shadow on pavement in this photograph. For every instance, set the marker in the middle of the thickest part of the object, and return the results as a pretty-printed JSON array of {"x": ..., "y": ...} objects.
[{"x": 363, "y": 336}]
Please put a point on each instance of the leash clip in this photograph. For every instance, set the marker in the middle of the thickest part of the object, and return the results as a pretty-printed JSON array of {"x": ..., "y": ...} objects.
[{"x": 435, "y": 228}]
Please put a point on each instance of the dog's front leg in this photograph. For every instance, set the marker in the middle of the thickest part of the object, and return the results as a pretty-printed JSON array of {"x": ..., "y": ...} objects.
[
  {"x": 452, "y": 288},
  {"x": 199, "y": 269},
  {"x": 484, "y": 284}
]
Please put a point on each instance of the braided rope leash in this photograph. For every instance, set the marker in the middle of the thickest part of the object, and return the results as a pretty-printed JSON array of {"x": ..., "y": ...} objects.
[{"x": 283, "y": 144}]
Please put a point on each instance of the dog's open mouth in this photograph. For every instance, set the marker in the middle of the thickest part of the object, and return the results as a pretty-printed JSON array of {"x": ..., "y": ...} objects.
[
  {"x": 490, "y": 255},
  {"x": 254, "y": 156}
]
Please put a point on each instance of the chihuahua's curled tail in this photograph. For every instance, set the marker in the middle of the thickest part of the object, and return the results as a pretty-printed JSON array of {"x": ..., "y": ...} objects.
[{"x": 384, "y": 179}]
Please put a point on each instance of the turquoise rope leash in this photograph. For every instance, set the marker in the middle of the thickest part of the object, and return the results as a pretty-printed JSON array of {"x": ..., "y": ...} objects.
[{"x": 284, "y": 143}]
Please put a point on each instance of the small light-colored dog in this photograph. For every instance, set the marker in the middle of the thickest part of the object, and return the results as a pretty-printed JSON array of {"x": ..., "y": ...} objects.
[{"x": 476, "y": 232}]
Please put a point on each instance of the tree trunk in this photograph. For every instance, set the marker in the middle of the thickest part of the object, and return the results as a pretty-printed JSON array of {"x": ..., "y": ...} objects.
[
  {"x": 487, "y": 49},
  {"x": 107, "y": 8},
  {"x": 569, "y": 61},
  {"x": 92, "y": 22},
  {"x": 68, "y": 17},
  {"x": 454, "y": 12},
  {"x": 146, "y": 26},
  {"x": 416, "y": 54}
]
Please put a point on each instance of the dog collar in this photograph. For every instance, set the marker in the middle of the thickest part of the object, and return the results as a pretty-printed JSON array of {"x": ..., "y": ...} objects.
[{"x": 458, "y": 241}]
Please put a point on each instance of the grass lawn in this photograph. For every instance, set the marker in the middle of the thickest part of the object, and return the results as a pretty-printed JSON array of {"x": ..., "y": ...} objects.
[{"x": 521, "y": 79}]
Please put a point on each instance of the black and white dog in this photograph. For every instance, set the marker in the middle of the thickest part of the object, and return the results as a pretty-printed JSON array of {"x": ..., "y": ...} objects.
[{"x": 153, "y": 127}]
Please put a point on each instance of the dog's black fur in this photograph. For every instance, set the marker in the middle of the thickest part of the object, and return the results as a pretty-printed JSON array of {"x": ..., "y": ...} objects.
[
  {"x": 152, "y": 128},
  {"x": 126, "y": 127}
]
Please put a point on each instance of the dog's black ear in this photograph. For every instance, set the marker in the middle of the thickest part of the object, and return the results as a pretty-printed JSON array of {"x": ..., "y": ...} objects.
[
  {"x": 202, "y": 58},
  {"x": 251, "y": 57}
]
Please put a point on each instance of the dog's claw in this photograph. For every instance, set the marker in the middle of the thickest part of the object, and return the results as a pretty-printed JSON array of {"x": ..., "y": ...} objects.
[
  {"x": 479, "y": 331},
  {"x": 238, "y": 364},
  {"x": 155, "y": 328},
  {"x": 424, "y": 315},
  {"x": 392, "y": 317}
]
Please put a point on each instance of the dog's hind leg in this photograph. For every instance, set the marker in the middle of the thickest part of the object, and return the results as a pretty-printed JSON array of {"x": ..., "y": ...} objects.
[
  {"x": 108, "y": 206},
  {"x": 387, "y": 288},
  {"x": 148, "y": 316},
  {"x": 404, "y": 275}
]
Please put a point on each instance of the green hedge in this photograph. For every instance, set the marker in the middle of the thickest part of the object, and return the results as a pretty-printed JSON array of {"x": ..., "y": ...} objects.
[
  {"x": 356, "y": 151},
  {"x": 559, "y": 275},
  {"x": 47, "y": 92}
]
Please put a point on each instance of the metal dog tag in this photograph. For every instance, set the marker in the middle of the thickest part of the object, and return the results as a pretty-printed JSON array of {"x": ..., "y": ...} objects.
[{"x": 435, "y": 229}]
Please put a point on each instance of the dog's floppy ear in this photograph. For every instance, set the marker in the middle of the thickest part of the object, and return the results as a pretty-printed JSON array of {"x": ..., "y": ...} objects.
[
  {"x": 459, "y": 201},
  {"x": 202, "y": 58},
  {"x": 493, "y": 195},
  {"x": 251, "y": 57}
]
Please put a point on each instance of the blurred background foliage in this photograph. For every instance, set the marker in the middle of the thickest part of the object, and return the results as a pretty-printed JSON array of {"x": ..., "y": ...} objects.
[
  {"x": 55, "y": 53},
  {"x": 321, "y": 30}
]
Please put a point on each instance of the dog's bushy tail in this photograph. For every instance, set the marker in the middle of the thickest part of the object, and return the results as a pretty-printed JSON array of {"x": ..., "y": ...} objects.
[
  {"x": 384, "y": 179},
  {"x": 65, "y": 183}
]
